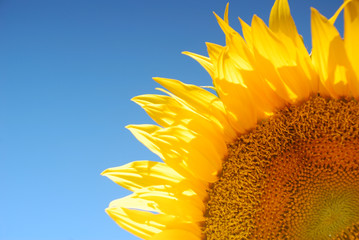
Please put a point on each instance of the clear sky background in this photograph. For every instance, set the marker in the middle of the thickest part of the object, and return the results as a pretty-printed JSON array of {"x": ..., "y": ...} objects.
[{"x": 68, "y": 69}]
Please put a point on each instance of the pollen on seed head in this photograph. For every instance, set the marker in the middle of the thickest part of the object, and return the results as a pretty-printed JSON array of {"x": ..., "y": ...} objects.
[{"x": 295, "y": 176}]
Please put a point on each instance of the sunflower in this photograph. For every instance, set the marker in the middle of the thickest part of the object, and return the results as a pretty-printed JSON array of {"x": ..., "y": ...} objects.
[{"x": 272, "y": 155}]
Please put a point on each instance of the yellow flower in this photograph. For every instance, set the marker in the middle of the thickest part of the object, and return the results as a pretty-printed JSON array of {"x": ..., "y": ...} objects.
[{"x": 273, "y": 156}]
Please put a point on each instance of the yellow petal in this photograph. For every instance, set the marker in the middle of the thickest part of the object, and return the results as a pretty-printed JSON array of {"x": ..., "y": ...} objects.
[
  {"x": 140, "y": 223},
  {"x": 282, "y": 24},
  {"x": 270, "y": 46},
  {"x": 176, "y": 234},
  {"x": 196, "y": 97},
  {"x": 280, "y": 19},
  {"x": 135, "y": 203},
  {"x": 266, "y": 64},
  {"x": 225, "y": 18},
  {"x": 140, "y": 174},
  {"x": 235, "y": 95},
  {"x": 167, "y": 112},
  {"x": 201, "y": 101},
  {"x": 336, "y": 14},
  {"x": 351, "y": 40},
  {"x": 234, "y": 59},
  {"x": 162, "y": 109},
  {"x": 237, "y": 45},
  {"x": 279, "y": 58},
  {"x": 226, "y": 13},
  {"x": 146, "y": 225},
  {"x": 144, "y": 135},
  {"x": 189, "y": 207},
  {"x": 190, "y": 154},
  {"x": 205, "y": 62},
  {"x": 247, "y": 34},
  {"x": 329, "y": 57},
  {"x": 237, "y": 63},
  {"x": 214, "y": 50},
  {"x": 266, "y": 99}
]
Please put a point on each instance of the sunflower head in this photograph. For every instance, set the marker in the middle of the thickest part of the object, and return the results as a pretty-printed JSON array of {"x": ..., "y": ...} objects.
[{"x": 272, "y": 155}]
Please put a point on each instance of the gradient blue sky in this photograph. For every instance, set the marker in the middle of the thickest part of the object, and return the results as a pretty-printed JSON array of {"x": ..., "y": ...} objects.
[{"x": 68, "y": 69}]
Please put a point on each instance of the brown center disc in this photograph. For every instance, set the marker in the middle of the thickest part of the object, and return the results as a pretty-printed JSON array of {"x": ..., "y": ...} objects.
[{"x": 296, "y": 176}]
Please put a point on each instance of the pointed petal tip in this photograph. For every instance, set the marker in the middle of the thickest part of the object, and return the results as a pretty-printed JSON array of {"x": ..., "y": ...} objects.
[
  {"x": 340, "y": 9},
  {"x": 187, "y": 53},
  {"x": 139, "y": 100},
  {"x": 227, "y": 7},
  {"x": 109, "y": 210},
  {"x": 107, "y": 172},
  {"x": 156, "y": 78},
  {"x": 131, "y": 127},
  {"x": 226, "y": 13},
  {"x": 160, "y": 80},
  {"x": 256, "y": 18},
  {"x": 315, "y": 15},
  {"x": 134, "y": 99},
  {"x": 104, "y": 172},
  {"x": 217, "y": 17},
  {"x": 312, "y": 9},
  {"x": 209, "y": 44},
  {"x": 159, "y": 89}
]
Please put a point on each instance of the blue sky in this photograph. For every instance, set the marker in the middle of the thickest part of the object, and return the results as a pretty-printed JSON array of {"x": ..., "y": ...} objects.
[{"x": 68, "y": 69}]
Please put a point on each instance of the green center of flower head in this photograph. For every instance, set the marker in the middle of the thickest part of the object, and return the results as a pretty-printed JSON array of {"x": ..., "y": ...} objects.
[{"x": 295, "y": 176}]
